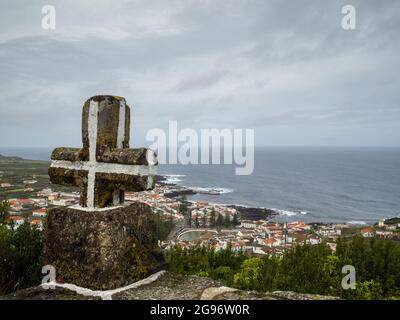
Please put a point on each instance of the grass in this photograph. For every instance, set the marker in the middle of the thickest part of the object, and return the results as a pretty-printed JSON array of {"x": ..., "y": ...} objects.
[{"x": 14, "y": 190}]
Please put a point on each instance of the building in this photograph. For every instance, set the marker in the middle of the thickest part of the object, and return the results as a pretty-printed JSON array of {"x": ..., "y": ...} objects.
[
  {"x": 381, "y": 223},
  {"x": 384, "y": 234},
  {"x": 16, "y": 221},
  {"x": 5, "y": 185},
  {"x": 258, "y": 251},
  {"x": 40, "y": 212},
  {"x": 63, "y": 202},
  {"x": 332, "y": 245},
  {"x": 248, "y": 224},
  {"x": 40, "y": 202},
  {"x": 45, "y": 192},
  {"x": 15, "y": 205},
  {"x": 298, "y": 225},
  {"x": 313, "y": 240},
  {"x": 367, "y": 232},
  {"x": 38, "y": 223},
  {"x": 29, "y": 181},
  {"x": 26, "y": 201}
]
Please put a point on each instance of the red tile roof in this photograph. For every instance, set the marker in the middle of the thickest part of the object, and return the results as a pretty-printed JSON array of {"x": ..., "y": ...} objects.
[{"x": 15, "y": 218}]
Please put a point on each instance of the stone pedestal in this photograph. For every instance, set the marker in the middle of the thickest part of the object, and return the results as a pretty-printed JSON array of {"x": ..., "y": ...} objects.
[{"x": 102, "y": 249}]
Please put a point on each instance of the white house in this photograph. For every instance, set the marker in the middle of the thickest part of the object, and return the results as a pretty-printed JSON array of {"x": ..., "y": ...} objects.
[
  {"x": 248, "y": 224},
  {"x": 258, "y": 250},
  {"x": 367, "y": 232},
  {"x": 5, "y": 185},
  {"x": 63, "y": 202},
  {"x": 313, "y": 240},
  {"x": 39, "y": 212}
]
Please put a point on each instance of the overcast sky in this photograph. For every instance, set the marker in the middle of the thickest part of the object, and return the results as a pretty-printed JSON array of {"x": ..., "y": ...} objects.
[{"x": 285, "y": 68}]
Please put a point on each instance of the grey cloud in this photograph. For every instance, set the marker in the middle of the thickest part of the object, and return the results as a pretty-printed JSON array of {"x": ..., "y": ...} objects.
[
  {"x": 199, "y": 82},
  {"x": 243, "y": 64}
]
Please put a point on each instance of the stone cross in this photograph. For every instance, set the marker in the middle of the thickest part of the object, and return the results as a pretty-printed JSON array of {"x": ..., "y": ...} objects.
[{"x": 105, "y": 167}]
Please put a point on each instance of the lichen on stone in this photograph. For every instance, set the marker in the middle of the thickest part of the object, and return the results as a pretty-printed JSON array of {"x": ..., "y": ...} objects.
[{"x": 104, "y": 249}]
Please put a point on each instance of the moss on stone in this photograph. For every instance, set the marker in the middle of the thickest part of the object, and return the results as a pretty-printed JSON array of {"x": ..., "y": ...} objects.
[
  {"x": 70, "y": 154},
  {"x": 104, "y": 249}
]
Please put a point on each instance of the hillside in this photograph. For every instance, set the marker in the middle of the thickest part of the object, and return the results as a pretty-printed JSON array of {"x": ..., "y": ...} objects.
[{"x": 13, "y": 158}]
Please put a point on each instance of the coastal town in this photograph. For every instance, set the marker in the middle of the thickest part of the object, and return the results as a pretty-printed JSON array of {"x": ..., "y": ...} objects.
[{"x": 202, "y": 223}]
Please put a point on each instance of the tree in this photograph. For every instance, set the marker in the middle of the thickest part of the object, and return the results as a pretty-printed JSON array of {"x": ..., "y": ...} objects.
[
  {"x": 224, "y": 274},
  {"x": 196, "y": 221},
  {"x": 204, "y": 220},
  {"x": 183, "y": 208},
  {"x": 235, "y": 220},
  {"x": 306, "y": 268},
  {"x": 190, "y": 218},
  {"x": 269, "y": 274},
  {"x": 4, "y": 215},
  {"x": 248, "y": 277},
  {"x": 368, "y": 290},
  {"x": 20, "y": 250},
  {"x": 227, "y": 221},
  {"x": 163, "y": 227},
  {"x": 220, "y": 221},
  {"x": 212, "y": 217}
]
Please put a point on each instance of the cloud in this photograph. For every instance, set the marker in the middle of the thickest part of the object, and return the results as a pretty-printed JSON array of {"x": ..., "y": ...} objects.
[{"x": 226, "y": 64}]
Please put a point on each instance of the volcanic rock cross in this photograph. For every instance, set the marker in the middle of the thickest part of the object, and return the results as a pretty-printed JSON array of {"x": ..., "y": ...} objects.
[{"x": 105, "y": 167}]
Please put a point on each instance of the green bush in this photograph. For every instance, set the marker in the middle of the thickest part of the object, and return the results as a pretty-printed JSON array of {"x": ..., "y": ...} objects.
[
  {"x": 304, "y": 269},
  {"x": 20, "y": 250}
]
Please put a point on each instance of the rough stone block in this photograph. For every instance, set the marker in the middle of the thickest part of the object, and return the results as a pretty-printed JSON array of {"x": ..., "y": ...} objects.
[
  {"x": 108, "y": 118},
  {"x": 102, "y": 249}
]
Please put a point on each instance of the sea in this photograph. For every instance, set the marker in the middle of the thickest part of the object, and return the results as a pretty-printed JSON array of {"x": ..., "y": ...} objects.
[{"x": 349, "y": 185}]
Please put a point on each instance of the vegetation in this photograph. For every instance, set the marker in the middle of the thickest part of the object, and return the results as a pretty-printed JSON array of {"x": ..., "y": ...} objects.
[
  {"x": 4, "y": 207},
  {"x": 305, "y": 269},
  {"x": 204, "y": 262},
  {"x": 219, "y": 221},
  {"x": 163, "y": 227},
  {"x": 19, "y": 254},
  {"x": 15, "y": 170}
]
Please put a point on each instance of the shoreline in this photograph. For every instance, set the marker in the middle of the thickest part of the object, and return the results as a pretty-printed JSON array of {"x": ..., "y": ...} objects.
[{"x": 246, "y": 212}]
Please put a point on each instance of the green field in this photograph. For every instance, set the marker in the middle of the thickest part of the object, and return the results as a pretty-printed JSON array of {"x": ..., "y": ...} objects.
[{"x": 16, "y": 171}]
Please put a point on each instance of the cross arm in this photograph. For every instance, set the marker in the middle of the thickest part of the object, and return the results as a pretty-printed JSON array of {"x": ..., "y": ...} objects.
[
  {"x": 70, "y": 154},
  {"x": 137, "y": 156},
  {"x": 114, "y": 171},
  {"x": 67, "y": 176}
]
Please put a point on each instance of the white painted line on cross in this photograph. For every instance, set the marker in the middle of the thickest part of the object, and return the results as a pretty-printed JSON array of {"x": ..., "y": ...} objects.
[
  {"x": 121, "y": 124},
  {"x": 92, "y": 131},
  {"x": 103, "y": 167},
  {"x": 120, "y": 140}
]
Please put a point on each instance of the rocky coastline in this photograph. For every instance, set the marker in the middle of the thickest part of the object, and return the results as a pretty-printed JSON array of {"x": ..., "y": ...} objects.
[{"x": 245, "y": 212}]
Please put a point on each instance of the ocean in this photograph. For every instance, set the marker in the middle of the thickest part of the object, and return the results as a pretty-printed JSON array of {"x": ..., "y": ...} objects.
[{"x": 358, "y": 185}]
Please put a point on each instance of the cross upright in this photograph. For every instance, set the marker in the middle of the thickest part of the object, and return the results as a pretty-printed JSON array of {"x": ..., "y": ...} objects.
[{"x": 105, "y": 167}]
